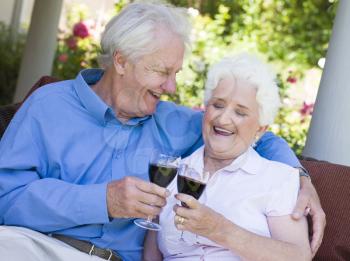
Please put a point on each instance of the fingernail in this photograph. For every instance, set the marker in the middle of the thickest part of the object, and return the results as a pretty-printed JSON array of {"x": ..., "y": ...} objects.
[{"x": 167, "y": 193}]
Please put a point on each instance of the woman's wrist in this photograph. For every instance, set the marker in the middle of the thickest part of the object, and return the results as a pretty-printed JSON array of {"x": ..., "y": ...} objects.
[{"x": 222, "y": 232}]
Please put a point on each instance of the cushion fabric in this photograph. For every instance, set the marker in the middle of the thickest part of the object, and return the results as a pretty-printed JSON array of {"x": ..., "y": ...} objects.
[{"x": 332, "y": 182}]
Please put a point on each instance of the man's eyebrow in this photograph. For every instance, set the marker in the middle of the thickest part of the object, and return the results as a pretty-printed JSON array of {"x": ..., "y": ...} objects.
[
  {"x": 218, "y": 99},
  {"x": 243, "y": 106},
  {"x": 159, "y": 67},
  {"x": 155, "y": 66},
  {"x": 168, "y": 69}
]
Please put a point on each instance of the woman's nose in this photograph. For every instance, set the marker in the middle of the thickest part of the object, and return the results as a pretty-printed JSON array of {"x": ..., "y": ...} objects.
[{"x": 226, "y": 117}]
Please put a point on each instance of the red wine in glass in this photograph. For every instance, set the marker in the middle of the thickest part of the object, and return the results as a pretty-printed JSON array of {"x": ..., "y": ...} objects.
[
  {"x": 190, "y": 186},
  {"x": 192, "y": 183},
  {"x": 161, "y": 175}
]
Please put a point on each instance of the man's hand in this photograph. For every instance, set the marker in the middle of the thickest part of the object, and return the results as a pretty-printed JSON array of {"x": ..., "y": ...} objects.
[
  {"x": 131, "y": 197},
  {"x": 309, "y": 203}
]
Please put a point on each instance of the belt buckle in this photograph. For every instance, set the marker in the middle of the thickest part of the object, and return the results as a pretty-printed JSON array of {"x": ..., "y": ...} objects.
[
  {"x": 91, "y": 252},
  {"x": 110, "y": 254}
]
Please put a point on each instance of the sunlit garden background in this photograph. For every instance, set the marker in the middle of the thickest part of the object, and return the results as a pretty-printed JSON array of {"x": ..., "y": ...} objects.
[{"x": 292, "y": 35}]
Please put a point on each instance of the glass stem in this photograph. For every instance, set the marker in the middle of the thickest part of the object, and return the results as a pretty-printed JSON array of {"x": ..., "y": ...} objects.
[{"x": 182, "y": 236}]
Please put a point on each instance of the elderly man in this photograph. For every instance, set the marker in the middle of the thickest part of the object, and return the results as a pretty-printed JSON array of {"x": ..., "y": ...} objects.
[{"x": 74, "y": 160}]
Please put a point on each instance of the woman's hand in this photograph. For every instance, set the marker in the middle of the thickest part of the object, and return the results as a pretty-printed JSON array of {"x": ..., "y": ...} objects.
[
  {"x": 197, "y": 218},
  {"x": 309, "y": 203},
  {"x": 289, "y": 238}
]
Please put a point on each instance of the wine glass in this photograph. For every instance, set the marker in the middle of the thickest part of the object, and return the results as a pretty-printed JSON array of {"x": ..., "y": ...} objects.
[
  {"x": 162, "y": 170},
  {"x": 191, "y": 182}
]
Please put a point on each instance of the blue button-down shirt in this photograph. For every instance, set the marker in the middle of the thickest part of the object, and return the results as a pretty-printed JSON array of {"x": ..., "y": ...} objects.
[{"x": 65, "y": 144}]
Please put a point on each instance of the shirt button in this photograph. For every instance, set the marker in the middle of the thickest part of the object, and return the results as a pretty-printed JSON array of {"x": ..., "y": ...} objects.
[
  {"x": 125, "y": 127},
  {"x": 118, "y": 153}
]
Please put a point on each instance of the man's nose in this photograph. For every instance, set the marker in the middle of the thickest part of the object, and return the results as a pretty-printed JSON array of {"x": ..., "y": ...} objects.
[{"x": 170, "y": 85}]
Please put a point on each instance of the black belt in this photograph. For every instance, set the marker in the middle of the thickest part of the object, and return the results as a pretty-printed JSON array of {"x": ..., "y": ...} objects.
[{"x": 88, "y": 248}]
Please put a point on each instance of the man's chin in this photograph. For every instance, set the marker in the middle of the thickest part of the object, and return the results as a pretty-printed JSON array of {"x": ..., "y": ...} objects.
[{"x": 147, "y": 112}]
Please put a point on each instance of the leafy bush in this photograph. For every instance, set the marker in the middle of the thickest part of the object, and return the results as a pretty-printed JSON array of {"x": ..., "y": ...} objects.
[{"x": 10, "y": 53}]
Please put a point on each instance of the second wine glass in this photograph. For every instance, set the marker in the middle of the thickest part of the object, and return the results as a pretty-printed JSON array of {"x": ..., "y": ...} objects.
[
  {"x": 161, "y": 171},
  {"x": 191, "y": 182}
]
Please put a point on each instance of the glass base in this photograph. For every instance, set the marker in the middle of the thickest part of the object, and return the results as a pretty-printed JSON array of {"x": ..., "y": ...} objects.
[{"x": 147, "y": 224}]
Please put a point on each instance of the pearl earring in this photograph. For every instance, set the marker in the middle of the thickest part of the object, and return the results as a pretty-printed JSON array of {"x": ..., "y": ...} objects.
[{"x": 256, "y": 138}]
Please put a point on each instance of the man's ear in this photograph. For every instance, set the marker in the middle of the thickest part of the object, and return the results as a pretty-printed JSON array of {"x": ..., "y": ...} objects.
[{"x": 119, "y": 62}]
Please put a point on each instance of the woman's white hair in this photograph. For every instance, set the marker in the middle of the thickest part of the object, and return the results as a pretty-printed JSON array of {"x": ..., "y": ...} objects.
[
  {"x": 250, "y": 68},
  {"x": 133, "y": 31}
]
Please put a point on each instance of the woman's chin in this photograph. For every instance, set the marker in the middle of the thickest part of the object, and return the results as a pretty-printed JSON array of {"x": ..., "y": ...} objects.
[{"x": 219, "y": 154}]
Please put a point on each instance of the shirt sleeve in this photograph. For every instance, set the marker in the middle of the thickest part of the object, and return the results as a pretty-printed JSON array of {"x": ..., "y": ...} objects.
[
  {"x": 274, "y": 148},
  {"x": 30, "y": 197},
  {"x": 284, "y": 193},
  {"x": 196, "y": 127}
]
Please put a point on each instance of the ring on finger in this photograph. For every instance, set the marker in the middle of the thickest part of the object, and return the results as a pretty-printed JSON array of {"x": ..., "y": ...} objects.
[
  {"x": 307, "y": 211},
  {"x": 181, "y": 220}
]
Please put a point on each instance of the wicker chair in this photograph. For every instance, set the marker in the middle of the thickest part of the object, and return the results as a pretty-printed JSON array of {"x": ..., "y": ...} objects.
[{"x": 6, "y": 114}]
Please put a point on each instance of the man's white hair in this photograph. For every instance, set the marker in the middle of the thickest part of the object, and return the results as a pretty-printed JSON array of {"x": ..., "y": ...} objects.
[
  {"x": 248, "y": 67},
  {"x": 133, "y": 31}
]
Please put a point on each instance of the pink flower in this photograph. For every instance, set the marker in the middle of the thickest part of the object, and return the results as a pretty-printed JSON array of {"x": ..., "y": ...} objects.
[
  {"x": 81, "y": 30},
  {"x": 291, "y": 79},
  {"x": 307, "y": 109},
  {"x": 63, "y": 57},
  {"x": 72, "y": 43}
]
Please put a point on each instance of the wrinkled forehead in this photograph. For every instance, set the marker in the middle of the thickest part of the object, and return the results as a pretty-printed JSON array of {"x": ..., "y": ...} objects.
[
  {"x": 169, "y": 53},
  {"x": 230, "y": 86},
  {"x": 237, "y": 91}
]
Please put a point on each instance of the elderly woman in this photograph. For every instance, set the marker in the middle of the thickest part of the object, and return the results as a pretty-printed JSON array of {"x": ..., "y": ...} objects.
[{"x": 245, "y": 210}]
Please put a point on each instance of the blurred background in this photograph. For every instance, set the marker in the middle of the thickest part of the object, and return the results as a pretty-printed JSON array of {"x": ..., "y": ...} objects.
[{"x": 293, "y": 35}]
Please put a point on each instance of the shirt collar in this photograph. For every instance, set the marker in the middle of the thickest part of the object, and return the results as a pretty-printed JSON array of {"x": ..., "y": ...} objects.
[
  {"x": 250, "y": 162},
  {"x": 139, "y": 120},
  {"x": 253, "y": 162},
  {"x": 196, "y": 160},
  {"x": 92, "y": 102}
]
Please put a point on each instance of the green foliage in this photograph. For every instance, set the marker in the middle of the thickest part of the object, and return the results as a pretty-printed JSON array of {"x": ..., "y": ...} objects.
[
  {"x": 291, "y": 123},
  {"x": 291, "y": 31},
  {"x": 10, "y": 53}
]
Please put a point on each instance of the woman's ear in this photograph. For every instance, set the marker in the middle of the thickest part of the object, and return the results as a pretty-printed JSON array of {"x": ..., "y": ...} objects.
[
  {"x": 119, "y": 62},
  {"x": 261, "y": 130}
]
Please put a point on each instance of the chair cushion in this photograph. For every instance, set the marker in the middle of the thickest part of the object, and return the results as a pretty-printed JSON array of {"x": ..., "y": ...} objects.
[{"x": 332, "y": 182}]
